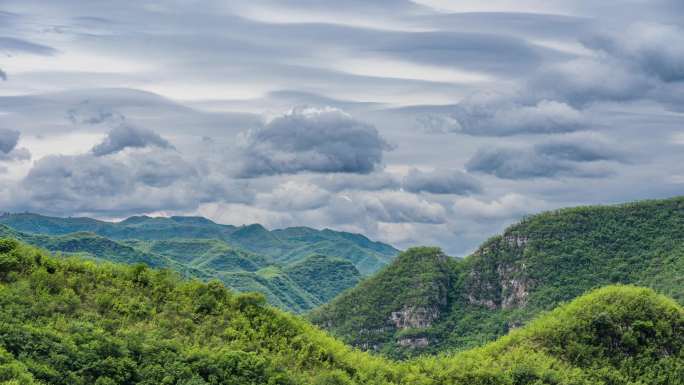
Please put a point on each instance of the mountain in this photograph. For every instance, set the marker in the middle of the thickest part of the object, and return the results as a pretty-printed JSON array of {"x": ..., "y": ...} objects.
[
  {"x": 282, "y": 246},
  {"x": 425, "y": 302},
  {"x": 67, "y": 322},
  {"x": 296, "y": 268},
  {"x": 325, "y": 277}
]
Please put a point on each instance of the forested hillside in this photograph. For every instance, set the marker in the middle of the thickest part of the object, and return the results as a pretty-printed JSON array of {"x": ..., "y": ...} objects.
[
  {"x": 70, "y": 322},
  {"x": 425, "y": 302},
  {"x": 247, "y": 258}
]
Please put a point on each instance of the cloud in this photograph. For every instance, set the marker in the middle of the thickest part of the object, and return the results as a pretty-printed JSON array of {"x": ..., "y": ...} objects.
[
  {"x": 8, "y": 146},
  {"x": 92, "y": 113},
  {"x": 493, "y": 114},
  {"x": 129, "y": 136},
  {"x": 14, "y": 45},
  {"x": 441, "y": 182},
  {"x": 313, "y": 140},
  {"x": 655, "y": 48},
  {"x": 18, "y": 154},
  {"x": 365, "y": 182},
  {"x": 399, "y": 207},
  {"x": 3, "y": 75},
  {"x": 511, "y": 205},
  {"x": 580, "y": 82},
  {"x": 293, "y": 196},
  {"x": 581, "y": 149},
  {"x": 8, "y": 139},
  {"x": 562, "y": 157},
  {"x": 142, "y": 181}
]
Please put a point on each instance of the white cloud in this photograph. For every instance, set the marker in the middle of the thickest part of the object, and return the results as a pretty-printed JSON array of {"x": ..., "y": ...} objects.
[{"x": 509, "y": 206}]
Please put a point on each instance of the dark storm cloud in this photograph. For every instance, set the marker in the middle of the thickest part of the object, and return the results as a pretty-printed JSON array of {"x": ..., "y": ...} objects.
[
  {"x": 314, "y": 140},
  {"x": 129, "y": 136},
  {"x": 441, "y": 182},
  {"x": 558, "y": 158}
]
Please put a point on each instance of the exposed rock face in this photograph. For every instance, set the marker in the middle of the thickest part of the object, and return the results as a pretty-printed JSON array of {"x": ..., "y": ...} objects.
[
  {"x": 514, "y": 288},
  {"x": 415, "y": 317},
  {"x": 499, "y": 281},
  {"x": 417, "y": 342},
  {"x": 514, "y": 240}
]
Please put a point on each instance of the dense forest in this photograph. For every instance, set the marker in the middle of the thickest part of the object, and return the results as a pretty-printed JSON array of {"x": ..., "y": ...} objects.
[
  {"x": 426, "y": 302},
  {"x": 69, "y": 321},
  {"x": 246, "y": 258}
]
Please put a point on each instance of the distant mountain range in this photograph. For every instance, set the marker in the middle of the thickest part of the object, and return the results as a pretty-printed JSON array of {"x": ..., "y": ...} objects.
[
  {"x": 426, "y": 302},
  {"x": 296, "y": 268}
]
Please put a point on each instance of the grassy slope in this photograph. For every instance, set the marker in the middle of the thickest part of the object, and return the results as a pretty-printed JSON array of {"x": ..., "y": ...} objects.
[
  {"x": 73, "y": 322},
  {"x": 535, "y": 265}
]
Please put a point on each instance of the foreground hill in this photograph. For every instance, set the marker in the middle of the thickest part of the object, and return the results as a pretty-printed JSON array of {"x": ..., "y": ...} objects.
[
  {"x": 247, "y": 258},
  {"x": 65, "y": 321},
  {"x": 426, "y": 302}
]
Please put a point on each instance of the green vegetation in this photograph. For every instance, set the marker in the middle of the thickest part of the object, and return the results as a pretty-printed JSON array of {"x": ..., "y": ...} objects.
[
  {"x": 200, "y": 248},
  {"x": 282, "y": 246},
  {"x": 426, "y": 303},
  {"x": 66, "y": 321},
  {"x": 325, "y": 277}
]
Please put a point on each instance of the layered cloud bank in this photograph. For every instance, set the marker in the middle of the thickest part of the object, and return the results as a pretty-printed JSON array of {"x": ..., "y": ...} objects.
[{"x": 430, "y": 122}]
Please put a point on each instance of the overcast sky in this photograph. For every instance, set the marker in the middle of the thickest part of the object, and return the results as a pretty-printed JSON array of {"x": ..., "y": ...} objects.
[{"x": 431, "y": 122}]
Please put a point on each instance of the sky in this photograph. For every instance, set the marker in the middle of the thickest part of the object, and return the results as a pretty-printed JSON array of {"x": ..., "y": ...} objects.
[{"x": 427, "y": 122}]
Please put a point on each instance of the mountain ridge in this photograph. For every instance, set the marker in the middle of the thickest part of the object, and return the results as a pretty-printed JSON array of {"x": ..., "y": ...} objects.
[{"x": 254, "y": 237}]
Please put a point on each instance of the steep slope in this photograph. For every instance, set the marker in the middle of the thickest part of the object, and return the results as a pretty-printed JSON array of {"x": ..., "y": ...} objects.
[
  {"x": 368, "y": 256},
  {"x": 69, "y": 322},
  {"x": 535, "y": 265},
  {"x": 397, "y": 304},
  {"x": 323, "y": 277},
  {"x": 299, "y": 287}
]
